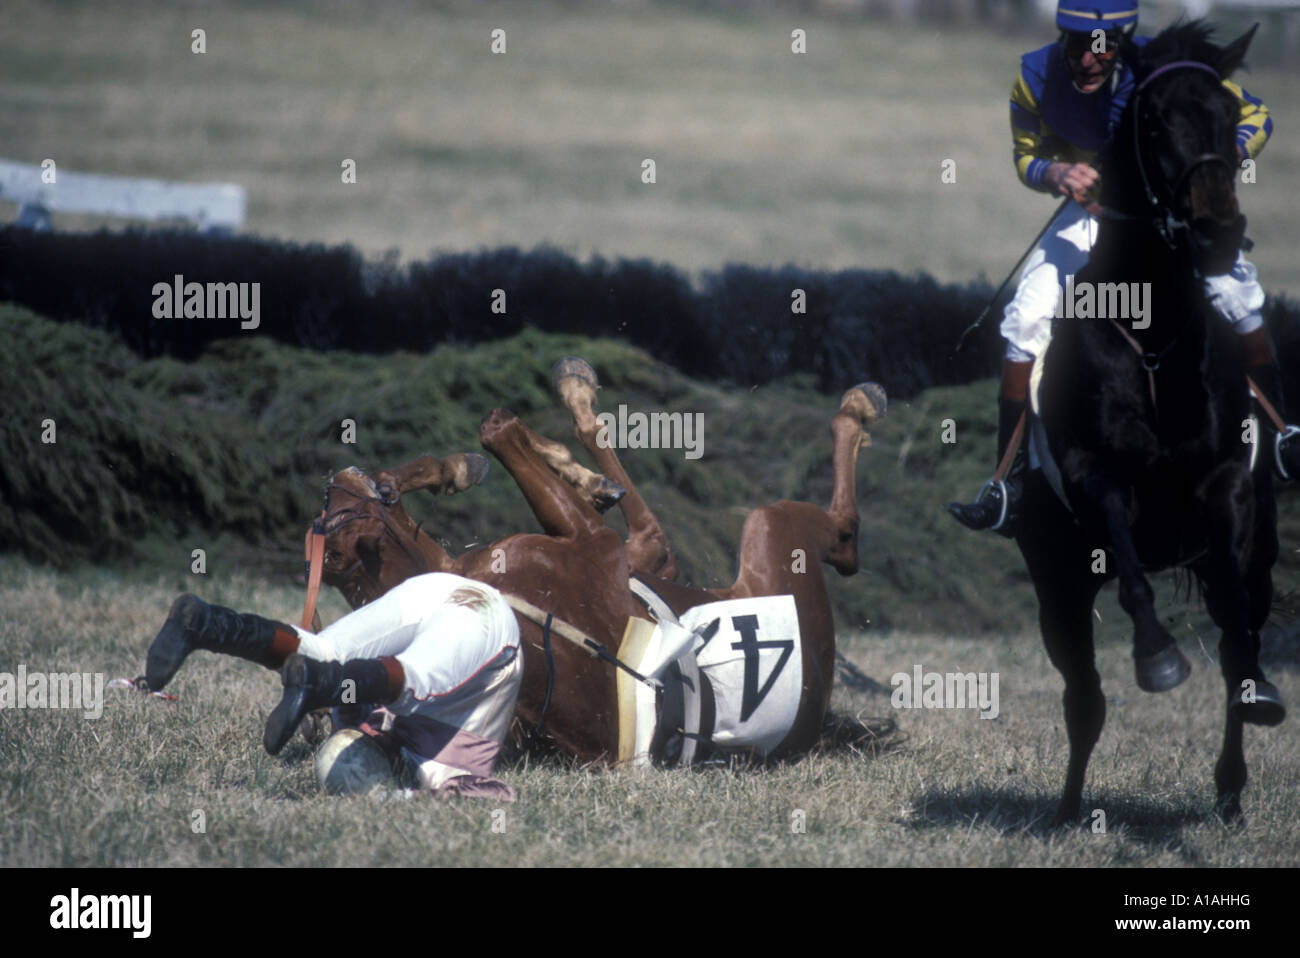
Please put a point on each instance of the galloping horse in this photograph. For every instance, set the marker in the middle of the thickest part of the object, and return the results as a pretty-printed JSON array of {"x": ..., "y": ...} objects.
[
  {"x": 1146, "y": 425},
  {"x": 578, "y": 569}
]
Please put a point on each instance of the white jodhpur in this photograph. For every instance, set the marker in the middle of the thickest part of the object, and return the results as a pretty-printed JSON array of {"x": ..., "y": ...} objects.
[
  {"x": 1064, "y": 250},
  {"x": 458, "y": 643}
]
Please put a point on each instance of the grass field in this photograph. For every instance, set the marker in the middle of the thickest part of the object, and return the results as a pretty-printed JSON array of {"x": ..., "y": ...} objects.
[
  {"x": 933, "y": 788},
  {"x": 826, "y": 159}
]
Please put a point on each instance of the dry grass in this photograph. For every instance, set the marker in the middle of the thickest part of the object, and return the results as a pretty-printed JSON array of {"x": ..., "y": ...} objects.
[
  {"x": 947, "y": 788},
  {"x": 828, "y": 159}
]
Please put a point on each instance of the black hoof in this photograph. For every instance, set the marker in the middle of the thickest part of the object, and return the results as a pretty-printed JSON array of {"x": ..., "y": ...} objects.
[
  {"x": 174, "y": 640},
  {"x": 1228, "y": 808},
  {"x": 1267, "y": 707},
  {"x": 288, "y": 715},
  {"x": 1165, "y": 670},
  {"x": 607, "y": 495}
]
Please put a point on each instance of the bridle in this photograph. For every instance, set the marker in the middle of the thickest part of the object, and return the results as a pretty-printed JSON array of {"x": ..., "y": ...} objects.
[
  {"x": 335, "y": 520},
  {"x": 1167, "y": 224},
  {"x": 1161, "y": 213}
]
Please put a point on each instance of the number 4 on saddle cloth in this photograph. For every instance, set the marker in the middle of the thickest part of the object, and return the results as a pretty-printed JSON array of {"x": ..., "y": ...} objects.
[{"x": 732, "y": 674}]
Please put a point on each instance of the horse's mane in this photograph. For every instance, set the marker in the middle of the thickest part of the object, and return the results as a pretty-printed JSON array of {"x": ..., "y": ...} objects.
[{"x": 1185, "y": 40}]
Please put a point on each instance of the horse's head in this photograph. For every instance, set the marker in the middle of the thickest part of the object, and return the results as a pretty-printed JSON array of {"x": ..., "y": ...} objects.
[
  {"x": 1176, "y": 153},
  {"x": 371, "y": 543}
]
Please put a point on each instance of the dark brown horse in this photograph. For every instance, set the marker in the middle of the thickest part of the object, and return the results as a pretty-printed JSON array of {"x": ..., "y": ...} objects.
[
  {"x": 578, "y": 569},
  {"x": 1147, "y": 424}
]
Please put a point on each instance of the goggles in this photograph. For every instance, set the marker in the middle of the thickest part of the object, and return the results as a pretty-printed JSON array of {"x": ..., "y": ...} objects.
[{"x": 1077, "y": 44}]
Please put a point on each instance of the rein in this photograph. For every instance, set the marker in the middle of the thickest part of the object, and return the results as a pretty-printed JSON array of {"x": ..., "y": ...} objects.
[{"x": 1167, "y": 225}]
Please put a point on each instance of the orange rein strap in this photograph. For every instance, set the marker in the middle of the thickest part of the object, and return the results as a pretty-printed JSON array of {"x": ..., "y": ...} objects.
[
  {"x": 1265, "y": 405},
  {"x": 1013, "y": 444},
  {"x": 314, "y": 555}
]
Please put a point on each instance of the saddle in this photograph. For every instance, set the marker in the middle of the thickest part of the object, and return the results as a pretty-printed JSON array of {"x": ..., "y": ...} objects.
[{"x": 730, "y": 674}]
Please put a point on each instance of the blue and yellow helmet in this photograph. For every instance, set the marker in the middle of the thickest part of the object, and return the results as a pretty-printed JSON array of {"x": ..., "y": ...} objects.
[{"x": 1084, "y": 16}]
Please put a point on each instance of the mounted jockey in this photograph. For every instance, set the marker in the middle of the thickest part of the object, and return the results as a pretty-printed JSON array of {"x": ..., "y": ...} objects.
[{"x": 1065, "y": 104}]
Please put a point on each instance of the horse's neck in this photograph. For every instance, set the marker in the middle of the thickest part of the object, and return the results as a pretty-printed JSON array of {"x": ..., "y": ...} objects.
[{"x": 1173, "y": 291}]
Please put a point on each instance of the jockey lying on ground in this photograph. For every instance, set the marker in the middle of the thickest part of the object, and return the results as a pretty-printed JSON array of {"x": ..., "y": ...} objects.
[{"x": 440, "y": 651}]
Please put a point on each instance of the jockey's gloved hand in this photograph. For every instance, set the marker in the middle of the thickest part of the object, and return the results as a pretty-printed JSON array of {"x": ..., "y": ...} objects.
[{"x": 1075, "y": 180}]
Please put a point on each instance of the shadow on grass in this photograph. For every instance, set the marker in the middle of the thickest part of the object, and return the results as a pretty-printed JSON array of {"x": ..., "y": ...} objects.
[
  {"x": 869, "y": 737},
  {"x": 1012, "y": 810}
]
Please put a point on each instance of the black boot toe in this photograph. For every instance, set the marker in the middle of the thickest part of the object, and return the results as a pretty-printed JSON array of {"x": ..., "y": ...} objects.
[{"x": 175, "y": 640}]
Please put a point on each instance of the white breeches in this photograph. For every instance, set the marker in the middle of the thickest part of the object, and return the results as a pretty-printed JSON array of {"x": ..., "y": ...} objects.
[
  {"x": 1064, "y": 250},
  {"x": 456, "y": 639}
]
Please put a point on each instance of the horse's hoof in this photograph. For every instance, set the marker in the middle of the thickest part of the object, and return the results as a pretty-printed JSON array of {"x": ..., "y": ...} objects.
[
  {"x": 1228, "y": 808},
  {"x": 607, "y": 495},
  {"x": 476, "y": 467},
  {"x": 1267, "y": 707},
  {"x": 1165, "y": 670},
  {"x": 573, "y": 367},
  {"x": 865, "y": 401}
]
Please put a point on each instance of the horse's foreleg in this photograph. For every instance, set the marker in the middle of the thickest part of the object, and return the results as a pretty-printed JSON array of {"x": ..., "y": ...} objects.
[
  {"x": 1057, "y": 558},
  {"x": 1159, "y": 664},
  {"x": 559, "y": 508},
  {"x": 647, "y": 544}
]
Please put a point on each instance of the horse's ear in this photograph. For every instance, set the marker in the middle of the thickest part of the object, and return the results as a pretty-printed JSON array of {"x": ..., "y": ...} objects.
[{"x": 1233, "y": 55}]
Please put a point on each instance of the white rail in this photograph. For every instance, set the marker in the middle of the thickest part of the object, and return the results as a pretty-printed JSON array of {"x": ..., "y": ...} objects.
[{"x": 211, "y": 206}]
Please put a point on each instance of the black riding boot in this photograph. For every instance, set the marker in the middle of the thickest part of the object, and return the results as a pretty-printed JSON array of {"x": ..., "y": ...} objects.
[
  {"x": 193, "y": 624},
  {"x": 989, "y": 511},
  {"x": 310, "y": 684},
  {"x": 1283, "y": 449}
]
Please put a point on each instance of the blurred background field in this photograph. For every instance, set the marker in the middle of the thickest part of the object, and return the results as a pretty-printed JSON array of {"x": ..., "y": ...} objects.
[{"x": 827, "y": 159}]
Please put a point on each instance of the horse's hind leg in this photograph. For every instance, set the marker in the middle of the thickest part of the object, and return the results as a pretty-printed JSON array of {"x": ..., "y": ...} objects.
[
  {"x": 1159, "y": 664},
  {"x": 647, "y": 545},
  {"x": 778, "y": 537},
  {"x": 598, "y": 490},
  {"x": 1238, "y": 595},
  {"x": 558, "y": 506},
  {"x": 859, "y": 407}
]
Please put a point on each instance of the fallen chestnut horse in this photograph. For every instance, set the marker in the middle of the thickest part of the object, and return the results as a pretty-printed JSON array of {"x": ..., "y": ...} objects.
[{"x": 578, "y": 569}]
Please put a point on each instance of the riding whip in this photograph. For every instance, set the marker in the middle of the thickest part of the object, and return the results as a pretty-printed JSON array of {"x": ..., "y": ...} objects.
[{"x": 970, "y": 330}]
